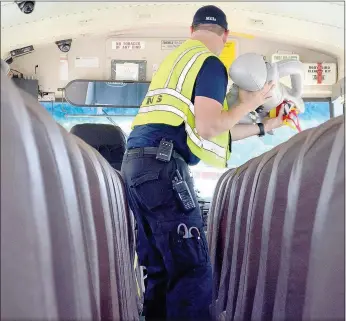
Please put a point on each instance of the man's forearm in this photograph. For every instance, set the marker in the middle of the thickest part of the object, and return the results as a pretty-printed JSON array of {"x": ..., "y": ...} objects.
[
  {"x": 242, "y": 131},
  {"x": 228, "y": 119},
  {"x": 225, "y": 120}
]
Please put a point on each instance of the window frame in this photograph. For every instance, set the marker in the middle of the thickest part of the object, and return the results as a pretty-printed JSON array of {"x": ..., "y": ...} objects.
[{"x": 343, "y": 106}]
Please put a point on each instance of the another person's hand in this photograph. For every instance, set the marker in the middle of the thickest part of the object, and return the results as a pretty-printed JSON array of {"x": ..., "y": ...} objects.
[
  {"x": 254, "y": 99},
  {"x": 273, "y": 123}
]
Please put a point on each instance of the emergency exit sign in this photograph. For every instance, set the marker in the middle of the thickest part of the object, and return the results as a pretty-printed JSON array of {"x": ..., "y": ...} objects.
[{"x": 320, "y": 74}]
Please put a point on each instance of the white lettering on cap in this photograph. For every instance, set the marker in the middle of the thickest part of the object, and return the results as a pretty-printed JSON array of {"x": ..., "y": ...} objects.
[{"x": 210, "y": 18}]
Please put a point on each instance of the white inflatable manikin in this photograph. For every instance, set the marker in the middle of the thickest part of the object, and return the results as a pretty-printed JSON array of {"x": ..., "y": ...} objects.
[{"x": 250, "y": 72}]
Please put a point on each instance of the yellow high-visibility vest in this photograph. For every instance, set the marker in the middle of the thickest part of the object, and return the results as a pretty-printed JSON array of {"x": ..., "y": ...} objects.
[{"x": 168, "y": 101}]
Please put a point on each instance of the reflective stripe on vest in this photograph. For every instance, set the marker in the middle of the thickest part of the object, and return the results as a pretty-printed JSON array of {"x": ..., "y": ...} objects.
[
  {"x": 174, "y": 93},
  {"x": 176, "y": 62},
  {"x": 200, "y": 142},
  {"x": 187, "y": 69}
]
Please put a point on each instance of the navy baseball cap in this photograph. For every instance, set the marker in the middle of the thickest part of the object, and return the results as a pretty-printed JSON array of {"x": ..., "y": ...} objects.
[{"x": 210, "y": 15}]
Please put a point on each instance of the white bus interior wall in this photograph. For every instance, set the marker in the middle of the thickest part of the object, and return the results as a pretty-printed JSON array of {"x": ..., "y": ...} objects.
[
  {"x": 264, "y": 28},
  {"x": 48, "y": 59}
]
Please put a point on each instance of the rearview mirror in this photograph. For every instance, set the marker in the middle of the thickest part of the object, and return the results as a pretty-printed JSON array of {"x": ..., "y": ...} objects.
[{"x": 99, "y": 93}]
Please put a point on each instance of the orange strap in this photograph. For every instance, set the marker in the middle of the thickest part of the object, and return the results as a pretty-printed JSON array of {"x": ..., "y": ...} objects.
[
  {"x": 291, "y": 116},
  {"x": 294, "y": 119}
]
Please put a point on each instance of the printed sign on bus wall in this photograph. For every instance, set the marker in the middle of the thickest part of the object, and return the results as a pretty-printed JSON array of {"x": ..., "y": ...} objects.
[
  {"x": 319, "y": 73},
  {"x": 128, "y": 45},
  {"x": 278, "y": 57},
  {"x": 171, "y": 44}
]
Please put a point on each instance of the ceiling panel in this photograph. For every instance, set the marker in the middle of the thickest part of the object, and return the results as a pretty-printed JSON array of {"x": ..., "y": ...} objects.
[
  {"x": 318, "y": 25},
  {"x": 325, "y": 13}
]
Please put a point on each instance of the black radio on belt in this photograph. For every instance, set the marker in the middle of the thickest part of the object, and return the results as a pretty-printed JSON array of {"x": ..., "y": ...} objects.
[
  {"x": 183, "y": 193},
  {"x": 165, "y": 151}
]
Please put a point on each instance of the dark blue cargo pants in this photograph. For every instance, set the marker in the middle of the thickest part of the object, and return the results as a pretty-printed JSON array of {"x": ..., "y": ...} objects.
[{"x": 179, "y": 281}]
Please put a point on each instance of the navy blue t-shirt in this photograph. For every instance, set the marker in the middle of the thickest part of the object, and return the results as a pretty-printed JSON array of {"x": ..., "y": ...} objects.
[{"x": 211, "y": 82}]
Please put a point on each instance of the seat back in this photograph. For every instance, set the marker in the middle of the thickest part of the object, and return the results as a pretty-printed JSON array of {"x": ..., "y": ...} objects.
[
  {"x": 109, "y": 298},
  {"x": 325, "y": 290},
  {"x": 218, "y": 205},
  {"x": 69, "y": 249},
  {"x": 304, "y": 192},
  {"x": 123, "y": 239},
  {"x": 273, "y": 225},
  {"x": 115, "y": 238},
  {"x": 108, "y": 140},
  {"x": 271, "y": 228},
  {"x": 87, "y": 219},
  {"x": 233, "y": 236},
  {"x": 225, "y": 224},
  {"x": 67, "y": 235},
  {"x": 28, "y": 290}
]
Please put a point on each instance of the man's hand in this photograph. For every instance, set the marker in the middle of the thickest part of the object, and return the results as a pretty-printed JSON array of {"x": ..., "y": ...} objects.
[
  {"x": 272, "y": 123},
  {"x": 211, "y": 120},
  {"x": 254, "y": 99}
]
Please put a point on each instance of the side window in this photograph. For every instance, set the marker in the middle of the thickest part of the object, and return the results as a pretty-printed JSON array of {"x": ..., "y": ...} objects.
[{"x": 316, "y": 113}]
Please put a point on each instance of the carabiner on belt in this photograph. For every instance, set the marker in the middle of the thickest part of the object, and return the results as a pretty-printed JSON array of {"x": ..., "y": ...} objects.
[{"x": 188, "y": 233}]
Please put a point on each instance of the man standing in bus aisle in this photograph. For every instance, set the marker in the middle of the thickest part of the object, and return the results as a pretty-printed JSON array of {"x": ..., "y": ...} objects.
[{"x": 182, "y": 121}]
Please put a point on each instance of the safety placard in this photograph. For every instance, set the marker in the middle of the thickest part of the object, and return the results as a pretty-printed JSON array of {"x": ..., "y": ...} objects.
[
  {"x": 319, "y": 73},
  {"x": 228, "y": 54},
  {"x": 128, "y": 45},
  {"x": 278, "y": 57},
  {"x": 171, "y": 44},
  {"x": 127, "y": 71}
]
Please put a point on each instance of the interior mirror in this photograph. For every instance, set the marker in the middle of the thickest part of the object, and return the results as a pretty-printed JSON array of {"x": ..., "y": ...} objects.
[{"x": 99, "y": 93}]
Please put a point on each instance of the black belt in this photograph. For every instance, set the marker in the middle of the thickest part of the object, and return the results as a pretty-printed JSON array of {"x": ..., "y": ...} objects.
[{"x": 148, "y": 151}]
